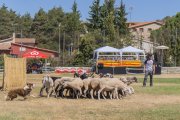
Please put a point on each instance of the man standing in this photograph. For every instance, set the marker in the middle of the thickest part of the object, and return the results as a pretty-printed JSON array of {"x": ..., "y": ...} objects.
[{"x": 149, "y": 69}]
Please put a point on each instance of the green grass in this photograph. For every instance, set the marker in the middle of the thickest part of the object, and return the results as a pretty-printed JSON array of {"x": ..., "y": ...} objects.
[
  {"x": 163, "y": 80},
  {"x": 160, "y": 102},
  {"x": 158, "y": 90},
  {"x": 162, "y": 86}
]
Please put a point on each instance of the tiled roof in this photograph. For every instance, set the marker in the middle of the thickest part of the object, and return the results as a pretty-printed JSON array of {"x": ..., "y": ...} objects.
[
  {"x": 139, "y": 24},
  {"x": 6, "y": 40},
  {"x": 33, "y": 47},
  {"x": 25, "y": 40},
  {"x": 5, "y": 46}
]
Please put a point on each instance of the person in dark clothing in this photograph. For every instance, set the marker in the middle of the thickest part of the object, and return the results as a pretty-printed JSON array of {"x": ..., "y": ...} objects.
[{"x": 82, "y": 74}]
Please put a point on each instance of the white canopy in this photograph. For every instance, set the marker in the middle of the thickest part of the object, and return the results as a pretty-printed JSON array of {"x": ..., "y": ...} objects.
[
  {"x": 131, "y": 49},
  {"x": 118, "y": 52},
  {"x": 106, "y": 49}
]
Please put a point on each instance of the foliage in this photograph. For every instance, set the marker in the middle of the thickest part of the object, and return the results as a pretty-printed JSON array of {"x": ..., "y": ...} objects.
[
  {"x": 121, "y": 20},
  {"x": 55, "y": 28},
  {"x": 1, "y": 61},
  {"x": 8, "y": 20},
  {"x": 26, "y": 22},
  {"x": 169, "y": 35},
  {"x": 94, "y": 15},
  {"x": 85, "y": 53},
  {"x": 111, "y": 21}
]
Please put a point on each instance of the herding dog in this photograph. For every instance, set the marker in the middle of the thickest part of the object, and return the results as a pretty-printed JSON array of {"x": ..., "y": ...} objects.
[{"x": 23, "y": 92}]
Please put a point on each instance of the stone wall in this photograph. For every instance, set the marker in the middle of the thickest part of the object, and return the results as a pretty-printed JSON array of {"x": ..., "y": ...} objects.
[{"x": 169, "y": 70}]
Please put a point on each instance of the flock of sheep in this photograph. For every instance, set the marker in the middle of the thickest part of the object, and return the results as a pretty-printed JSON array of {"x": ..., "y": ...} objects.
[{"x": 97, "y": 87}]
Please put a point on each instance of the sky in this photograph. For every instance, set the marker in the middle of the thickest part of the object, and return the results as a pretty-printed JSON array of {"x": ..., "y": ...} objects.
[{"x": 139, "y": 10}]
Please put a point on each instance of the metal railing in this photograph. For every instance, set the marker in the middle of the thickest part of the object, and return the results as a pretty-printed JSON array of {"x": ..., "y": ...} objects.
[{"x": 1, "y": 69}]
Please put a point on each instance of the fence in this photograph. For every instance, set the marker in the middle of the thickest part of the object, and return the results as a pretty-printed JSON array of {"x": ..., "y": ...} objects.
[
  {"x": 170, "y": 70},
  {"x": 14, "y": 73},
  {"x": 72, "y": 69},
  {"x": 1, "y": 69}
]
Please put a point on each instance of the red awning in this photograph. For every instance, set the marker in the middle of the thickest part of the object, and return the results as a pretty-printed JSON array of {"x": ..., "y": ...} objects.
[{"x": 35, "y": 54}]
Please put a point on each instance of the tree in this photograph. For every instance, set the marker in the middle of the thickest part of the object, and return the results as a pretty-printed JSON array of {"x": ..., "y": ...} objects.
[
  {"x": 103, "y": 15},
  {"x": 122, "y": 32},
  {"x": 110, "y": 28},
  {"x": 169, "y": 35},
  {"x": 121, "y": 20},
  {"x": 85, "y": 53},
  {"x": 109, "y": 20},
  {"x": 73, "y": 19},
  {"x": 8, "y": 20},
  {"x": 95, "y": 15},
  {"x": 73, "y": 26},
  {"x": 39, "y": 28},
  {"x": 26, "y": 22},
  {"x": 110, "y": 5},
  {"x": 55, "y": 17}
]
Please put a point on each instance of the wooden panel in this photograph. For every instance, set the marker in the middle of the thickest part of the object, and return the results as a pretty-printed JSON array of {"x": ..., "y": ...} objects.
[{"x": 14, "y": 73}]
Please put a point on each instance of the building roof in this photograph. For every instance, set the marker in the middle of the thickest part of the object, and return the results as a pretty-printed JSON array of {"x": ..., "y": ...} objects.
[
  {"x": 42, "y": 49},
  {"x": 139, "y": 24},
  {"x": 6, "y": 40},
  {"x": 5, "y": 46},
  {"x": 25, "y": 40}
]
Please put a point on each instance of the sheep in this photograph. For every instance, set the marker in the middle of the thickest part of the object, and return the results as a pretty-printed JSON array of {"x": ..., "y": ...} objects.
[
  {"x": 58, "y": 84},
  {"x": 128, "y": 81},
  {"x": 76, "y": 85},
  {"x": 112, "y": 85},
  {"x": 48, "y": 84},
  {"x": 131, "y": 80},
  {"x": 94, "y": 86},
  {"x": 130, "y": 90},
  {"x": 86, "y": 84}
]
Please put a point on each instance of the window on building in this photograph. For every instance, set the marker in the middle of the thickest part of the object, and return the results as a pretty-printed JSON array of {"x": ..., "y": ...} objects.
[
  {"x": 141, "y": 29},
  {"x": 134, "y": 29},
  {"x": 149, "y": 29}
]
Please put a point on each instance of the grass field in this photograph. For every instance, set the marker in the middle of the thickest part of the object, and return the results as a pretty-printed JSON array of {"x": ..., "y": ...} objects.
[{"x": 161, "y": 102}]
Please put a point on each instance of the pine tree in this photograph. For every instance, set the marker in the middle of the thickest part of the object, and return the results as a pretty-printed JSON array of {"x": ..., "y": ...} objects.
[
  {"x": 121, "y": 20},
  {"x": 55, "y": 18},
  {"x": 73, "y": 25},
  {"x": 8, "y": 22},
  {"x": 103, "y": 15},
  {"x": 110, "y": 5},
  {"x": 75, "y": 16},
  {"x": 39, "y": 28},
  {"x": 109, "y": 18},
  {"x": 26, "y": 22},
  {"x": 95, "y": 15}
]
